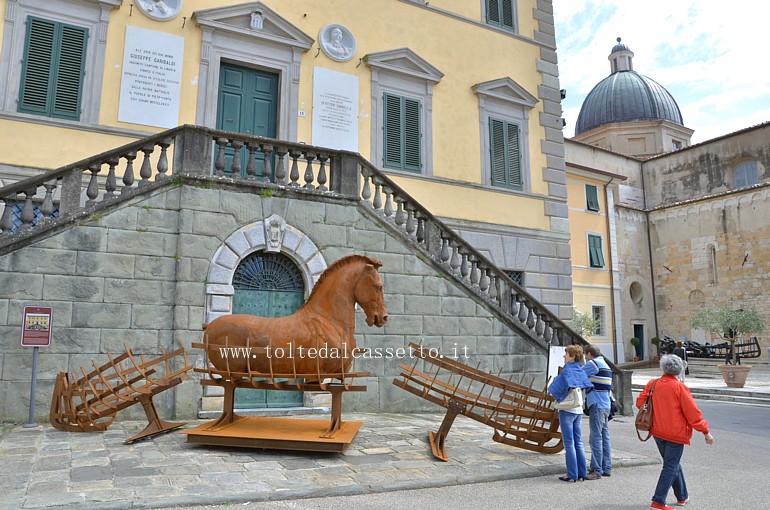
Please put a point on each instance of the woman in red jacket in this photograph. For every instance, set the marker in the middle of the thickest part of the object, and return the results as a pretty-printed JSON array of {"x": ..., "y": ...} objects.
[{"x": 674, "y": 416}]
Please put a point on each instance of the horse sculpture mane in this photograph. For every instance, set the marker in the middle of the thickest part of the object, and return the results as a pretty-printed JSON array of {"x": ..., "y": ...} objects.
[
  {"x": 326, "y": 320},
  {"x": 340, "y": 263}
]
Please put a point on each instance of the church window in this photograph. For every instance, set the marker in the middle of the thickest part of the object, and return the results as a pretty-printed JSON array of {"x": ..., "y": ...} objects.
[
  {"x": 713, "y": 264},
  {"x": 746, "y": 174}
]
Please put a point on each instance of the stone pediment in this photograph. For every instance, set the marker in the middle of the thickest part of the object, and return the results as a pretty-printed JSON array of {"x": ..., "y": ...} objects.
[
  {"x": 404, "y": 61},
  {"x": 237, "y": 19},
  {"x": 505, "y": 89}
]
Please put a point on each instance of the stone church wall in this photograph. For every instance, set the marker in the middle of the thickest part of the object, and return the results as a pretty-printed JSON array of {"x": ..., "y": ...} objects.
[
  {"x": 137, "y": 275},
  {"x": 730, "y": 230}
]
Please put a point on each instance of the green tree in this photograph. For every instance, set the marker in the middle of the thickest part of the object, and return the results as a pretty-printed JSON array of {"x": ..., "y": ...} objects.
[{"x": 728, "y": 323}]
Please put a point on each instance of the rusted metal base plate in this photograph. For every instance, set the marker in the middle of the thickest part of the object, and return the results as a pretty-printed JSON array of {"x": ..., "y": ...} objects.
[{"x": 276, "y": 433}]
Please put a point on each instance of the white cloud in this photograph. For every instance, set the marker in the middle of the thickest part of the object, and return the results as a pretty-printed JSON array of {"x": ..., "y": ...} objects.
[{"x": 712, "y": 58}]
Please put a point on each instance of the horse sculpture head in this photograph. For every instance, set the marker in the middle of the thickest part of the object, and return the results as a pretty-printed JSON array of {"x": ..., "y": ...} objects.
[{"x": 368, "y": 294}]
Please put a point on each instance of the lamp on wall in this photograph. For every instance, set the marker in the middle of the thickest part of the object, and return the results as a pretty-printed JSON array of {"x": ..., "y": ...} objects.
[{"x": 257, "y": 21}]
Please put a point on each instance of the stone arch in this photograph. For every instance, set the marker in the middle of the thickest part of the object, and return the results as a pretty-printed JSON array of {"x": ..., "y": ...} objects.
[{"x": 272, "y": 234}]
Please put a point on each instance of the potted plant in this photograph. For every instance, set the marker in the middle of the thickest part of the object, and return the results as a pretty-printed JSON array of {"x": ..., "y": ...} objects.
[
  {"x": 636, "y": 342},
  {"x": 656, "y": 342},
  {"x": 731, "y": 325}
]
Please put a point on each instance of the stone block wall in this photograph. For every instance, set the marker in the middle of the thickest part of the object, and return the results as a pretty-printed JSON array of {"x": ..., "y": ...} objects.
[
  {"x": 736, "y": 227},
  {"x": 137, "y": 275}
]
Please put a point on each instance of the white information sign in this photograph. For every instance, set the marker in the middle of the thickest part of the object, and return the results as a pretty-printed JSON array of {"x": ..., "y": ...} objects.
[
  {"x": 151, "y": 82},
  {"x": 555, "y": 361},
  {"x": 335, "y": 110}
]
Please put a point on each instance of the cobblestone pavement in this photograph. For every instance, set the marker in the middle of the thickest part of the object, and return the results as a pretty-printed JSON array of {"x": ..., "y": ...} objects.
[{"x": 46, "y": 468}]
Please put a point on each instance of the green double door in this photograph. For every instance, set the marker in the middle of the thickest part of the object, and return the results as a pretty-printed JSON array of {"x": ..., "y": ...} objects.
[
  {"x": 267, "y": 285},
  {"x": 247, "y": 103}
]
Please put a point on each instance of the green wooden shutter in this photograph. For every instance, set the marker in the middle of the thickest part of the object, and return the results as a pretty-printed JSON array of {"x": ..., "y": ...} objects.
[
  {"x": 500, "y": 13},
  {"x": 392, "y": 131},
  {"x": 497, "y": 152},
  {"x": 37, "y": 66},
  {"x": 493, "y": 12},
  {"x": 53, "y": 68},
  {"x": 402, "y": 133},
  {"x": 592, "y": 198},
  {"x": 505, "y": 154},
  {"x": 412, "y": 135},
  {"x": 595, "y": 255},
  {"x": 514, "y": 155},
  {"x": 68, "y": 85},
  {"x": 507, "y": 10}
]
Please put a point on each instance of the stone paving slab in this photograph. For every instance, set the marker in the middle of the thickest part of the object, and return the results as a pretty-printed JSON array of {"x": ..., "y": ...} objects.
[{"x": 45, "y": 468}]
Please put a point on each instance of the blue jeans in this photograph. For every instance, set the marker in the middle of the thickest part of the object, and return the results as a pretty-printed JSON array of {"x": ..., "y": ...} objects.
[
  {"x": 571, "y": 432},
  {"x": 671, "y": 475},
  {"x": 601, "y": 453}
]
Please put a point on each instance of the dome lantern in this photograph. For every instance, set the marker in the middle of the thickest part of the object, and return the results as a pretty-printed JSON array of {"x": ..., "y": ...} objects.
[{"x": 621, "y": 58}]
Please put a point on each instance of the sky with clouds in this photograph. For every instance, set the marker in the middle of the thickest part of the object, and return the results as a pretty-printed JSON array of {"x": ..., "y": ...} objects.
[{"x": 711, "y": 56}]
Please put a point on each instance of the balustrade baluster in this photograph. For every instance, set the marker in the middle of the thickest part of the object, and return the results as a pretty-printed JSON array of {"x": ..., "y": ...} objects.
[
  {"x": 547, "y": 332},
  {"x": 235, "y": 164},
  {"x": 454, "y": 263},
  {"x": 484, "y": 281},
  {"x": 411, "y": 224},
  {"x": 128, "y": 175},
  {"x": 309, "y": 156},
  {"x": 444, "y": 254},
  {"x": 267, "y": 168},
  {"x": 464, "y": 266},
  {"x": 514, "y": 303},
  {"x": 322, "y": 173},
  {"x": 523, "y": 310},
  {"x": 219, "y": 163},
  {"x": 492, "y": 292},
  {"x": 540, "y": 325},
  {"x": 474, "y": 272},
  {"x": 420, "y": 230},
  {"x": 6, "y": 221},
  {"x": 251, "y": 164},
  {"x": 388, "y": 203},
  {"x": 399, "y": 219},
  {"x": 47, "y": 207},
  {"x": 110, "y": 185},
  {"x": 377, "y": 202},
  {"x": 280, "y": 168},
  {"x": 145, "y": 172},
  {"x": 92, "y": 191},
  {"x": 163, "y": 160},
  {"x": 501, "y": 286},
  {"x": 366, "y": 192},
  {"x": 28, "y": 211},
  {"x": 531, "y": 316},
  {"x": 294, "y": 174}
]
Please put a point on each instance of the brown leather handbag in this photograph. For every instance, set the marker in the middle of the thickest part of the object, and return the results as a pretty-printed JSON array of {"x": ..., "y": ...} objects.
[{"x": 644, "y": 416}]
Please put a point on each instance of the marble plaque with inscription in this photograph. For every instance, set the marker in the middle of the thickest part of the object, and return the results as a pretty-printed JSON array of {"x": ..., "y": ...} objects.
[{"x": 335, "y": 110}]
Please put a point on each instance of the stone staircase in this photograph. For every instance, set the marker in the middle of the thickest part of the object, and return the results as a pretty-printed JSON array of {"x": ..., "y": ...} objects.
[{"x": 184, "y": 155}]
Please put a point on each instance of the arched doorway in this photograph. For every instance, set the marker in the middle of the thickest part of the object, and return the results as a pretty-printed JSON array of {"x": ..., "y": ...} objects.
[{"x": 268, "y": 285}]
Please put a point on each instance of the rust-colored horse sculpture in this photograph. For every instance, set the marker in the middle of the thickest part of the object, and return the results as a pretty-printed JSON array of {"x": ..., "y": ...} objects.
[{"x": 318, "y": 338}]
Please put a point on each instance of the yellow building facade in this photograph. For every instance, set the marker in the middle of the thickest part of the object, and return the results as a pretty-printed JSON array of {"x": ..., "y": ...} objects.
[
  {"x": 591, "y": 195},
  {"x": 458, "y": 101}
]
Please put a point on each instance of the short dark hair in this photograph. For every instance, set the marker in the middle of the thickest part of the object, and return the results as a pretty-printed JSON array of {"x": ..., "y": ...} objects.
[{"x": 593, "y": 350}]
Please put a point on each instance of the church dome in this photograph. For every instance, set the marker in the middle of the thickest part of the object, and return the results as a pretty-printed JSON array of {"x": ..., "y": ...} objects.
[{"x": 626, "y": 96}]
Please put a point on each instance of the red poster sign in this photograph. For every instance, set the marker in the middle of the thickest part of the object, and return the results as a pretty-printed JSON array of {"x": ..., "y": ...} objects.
[{"x": 36, "y": 326}]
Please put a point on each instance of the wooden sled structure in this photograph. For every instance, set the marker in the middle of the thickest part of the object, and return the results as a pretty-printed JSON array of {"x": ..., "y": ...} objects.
[
  {"x": 334, "y": 435},
  {"x": 519, "y": 415},
  {"x": 90, "y": 403}
]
